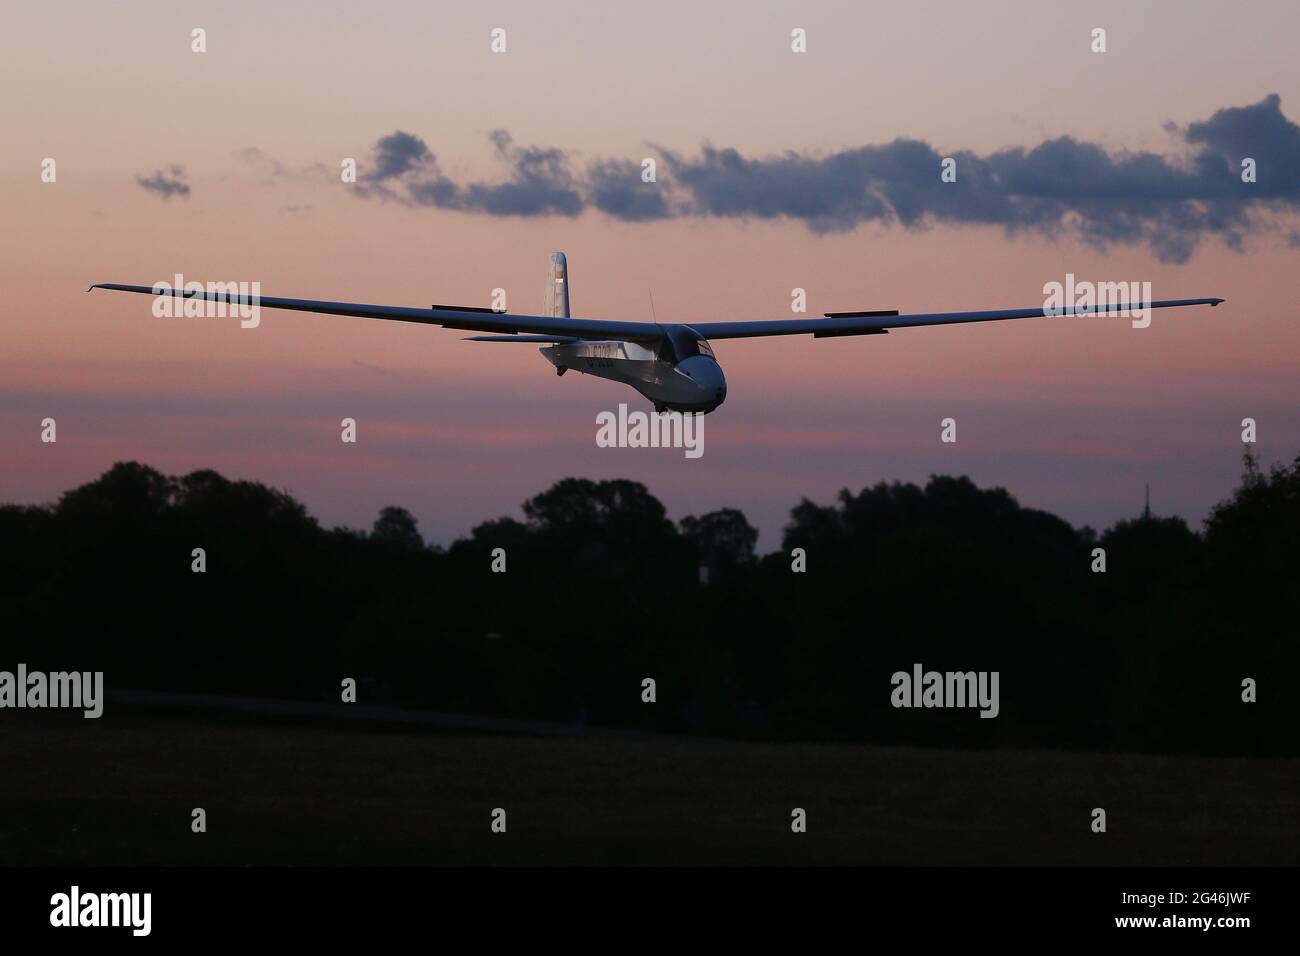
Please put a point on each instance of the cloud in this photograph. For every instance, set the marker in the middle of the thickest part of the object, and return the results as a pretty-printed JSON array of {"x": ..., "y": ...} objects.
[
  {"x": 267, "y": 166},
  {"x": 1061, "y": 186},
  {"x": 404, "y": 169},
  {"x": 272, "y": 171},
  {"x": 166, "y": 184},
  {"x": 398, "y": 154},
  {"x": 615, "y": 187}
]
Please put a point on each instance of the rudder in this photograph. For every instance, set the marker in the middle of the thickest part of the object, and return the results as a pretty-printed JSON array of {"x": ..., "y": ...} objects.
[{"x": 556, "y": 303}]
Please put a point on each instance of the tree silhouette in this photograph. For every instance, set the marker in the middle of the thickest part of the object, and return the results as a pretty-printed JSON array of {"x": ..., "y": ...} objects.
[
  {"x": 600, "y": 589},
  {"x": 397, "y": 526}
]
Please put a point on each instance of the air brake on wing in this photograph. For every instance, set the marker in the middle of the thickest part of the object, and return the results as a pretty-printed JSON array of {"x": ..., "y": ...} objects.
[{"x": 855, "y": 315}]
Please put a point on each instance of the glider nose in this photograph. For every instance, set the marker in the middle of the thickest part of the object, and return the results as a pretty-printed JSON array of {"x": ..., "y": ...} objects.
[{"x": 707, "y": 375}]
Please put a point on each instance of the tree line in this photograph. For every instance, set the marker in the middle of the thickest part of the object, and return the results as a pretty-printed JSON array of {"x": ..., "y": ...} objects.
[{"x": 600, "y": 590}]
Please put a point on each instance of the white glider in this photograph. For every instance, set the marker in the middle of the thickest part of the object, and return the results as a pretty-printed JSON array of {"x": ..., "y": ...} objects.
[{"x": 672, "y": 365}]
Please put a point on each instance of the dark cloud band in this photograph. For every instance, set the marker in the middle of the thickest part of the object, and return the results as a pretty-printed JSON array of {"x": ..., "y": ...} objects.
[{"x": 1061, "y": 185}]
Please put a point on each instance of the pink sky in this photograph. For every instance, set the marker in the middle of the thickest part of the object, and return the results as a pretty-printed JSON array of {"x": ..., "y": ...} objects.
[{"x": 1070, "y": 416}]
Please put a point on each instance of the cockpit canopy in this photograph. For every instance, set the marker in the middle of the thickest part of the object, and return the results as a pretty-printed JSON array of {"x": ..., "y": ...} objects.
[{"x": 681, "y": 342}]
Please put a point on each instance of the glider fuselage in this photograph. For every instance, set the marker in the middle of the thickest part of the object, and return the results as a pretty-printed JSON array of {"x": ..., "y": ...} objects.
[{"x": 679, "y": 373}]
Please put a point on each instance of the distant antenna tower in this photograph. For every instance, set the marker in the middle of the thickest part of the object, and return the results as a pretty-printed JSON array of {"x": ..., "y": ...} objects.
[{"x": 1146, "y": 511}]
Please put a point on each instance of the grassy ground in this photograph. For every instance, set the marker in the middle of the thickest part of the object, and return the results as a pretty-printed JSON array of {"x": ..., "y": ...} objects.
[{"x": 120, "y": 790}]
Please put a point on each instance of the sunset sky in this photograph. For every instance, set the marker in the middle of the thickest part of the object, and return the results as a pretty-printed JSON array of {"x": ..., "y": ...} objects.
[{"x": 225, "y": 165}]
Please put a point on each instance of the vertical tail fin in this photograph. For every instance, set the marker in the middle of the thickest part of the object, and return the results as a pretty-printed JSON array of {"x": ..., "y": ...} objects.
[{"x": 556, "y": 303}]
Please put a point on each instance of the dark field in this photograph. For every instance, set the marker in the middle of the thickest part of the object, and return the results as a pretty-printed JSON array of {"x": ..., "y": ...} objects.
[{"x": 120, "y": 790}]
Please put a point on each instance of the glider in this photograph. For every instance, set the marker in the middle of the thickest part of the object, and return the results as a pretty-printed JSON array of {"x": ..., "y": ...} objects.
[{"x": 672, "y": 365}]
